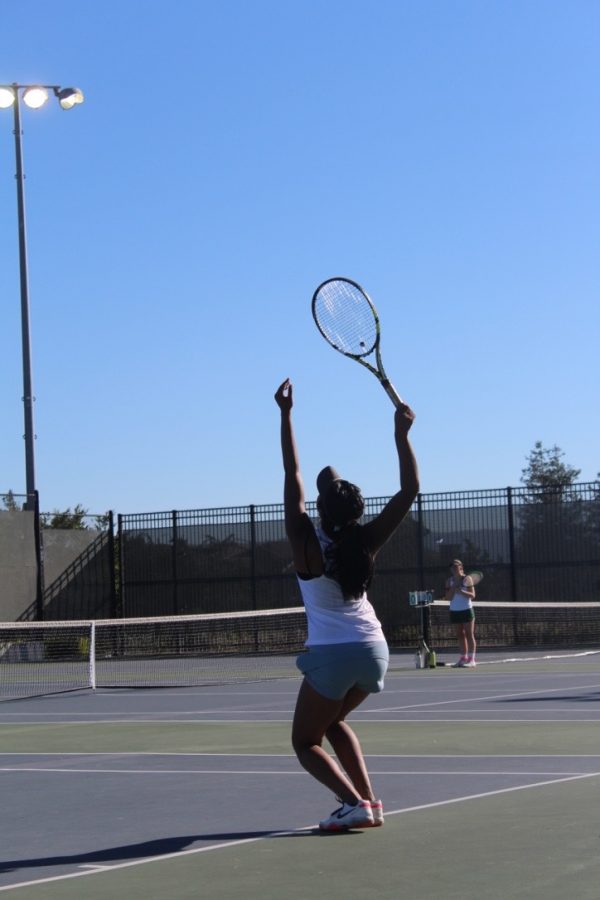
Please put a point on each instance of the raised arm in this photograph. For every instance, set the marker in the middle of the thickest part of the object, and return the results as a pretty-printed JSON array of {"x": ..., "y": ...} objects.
[
  {"x": 298, "y": 527},
  {"x": 380, "y": 529}
]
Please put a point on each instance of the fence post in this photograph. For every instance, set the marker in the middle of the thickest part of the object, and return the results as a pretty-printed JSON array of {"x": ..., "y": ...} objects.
[
  {"x": 420, "y": 553},
  {"x": 174, "y": 562},
  {"x": 511, "y": 545},
  {"x": 112, "y": 566},
  {"x": 39, "y": 558},
  {"x": 253, "y": 555},
  {"x": 121, "y": 587}
]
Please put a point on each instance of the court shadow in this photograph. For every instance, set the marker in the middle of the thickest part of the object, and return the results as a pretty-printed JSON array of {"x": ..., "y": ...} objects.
[{"x": 144, "y": 849}]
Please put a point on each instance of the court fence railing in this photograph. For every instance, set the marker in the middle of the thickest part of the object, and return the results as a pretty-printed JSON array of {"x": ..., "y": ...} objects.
[
  {"x": 540, "y": 546},
  {"x": 532, "y": 546}
]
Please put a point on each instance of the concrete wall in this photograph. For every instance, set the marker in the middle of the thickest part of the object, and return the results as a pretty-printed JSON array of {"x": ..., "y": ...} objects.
[
  {"x": 18, "y": 566},
  {"x": 62, "y": 547}
]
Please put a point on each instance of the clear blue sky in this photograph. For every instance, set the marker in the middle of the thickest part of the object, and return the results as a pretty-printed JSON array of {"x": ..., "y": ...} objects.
[{"x": 230, "y": 156}]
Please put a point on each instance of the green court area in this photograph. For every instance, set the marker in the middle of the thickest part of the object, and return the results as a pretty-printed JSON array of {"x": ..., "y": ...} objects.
[{"x": 243, "y": 738}]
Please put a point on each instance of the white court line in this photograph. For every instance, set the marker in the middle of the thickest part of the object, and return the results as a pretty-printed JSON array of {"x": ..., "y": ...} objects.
[
  {"x": 519, "y": 659},
  {"x": 276, "y": 834},
  {"x": 463, "y": 716},
  {"x": 257, "y": 772},
  {"x": 93, "y": 868},
  {"x": 134, "y": 716},
  {"x": 486, "y": 698},
  {"x": 73, "y": 771},
  {"x": 293, "y": 755},
  {"x": 363, "y": 711},
  {"x": 455, "y": 720},
  {"x": 50, "y": 718}
]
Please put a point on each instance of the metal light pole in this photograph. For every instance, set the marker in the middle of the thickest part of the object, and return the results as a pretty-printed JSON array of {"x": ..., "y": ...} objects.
[{"x": 33, "y": 96}]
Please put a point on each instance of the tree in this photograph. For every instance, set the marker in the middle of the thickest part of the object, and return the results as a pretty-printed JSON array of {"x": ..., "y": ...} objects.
[
  {"x": 9, "y": 502},
  {"x": 552, "y": 526},
  {"x": 545, "y": 474},
  {"x": 68, "y": 519}
]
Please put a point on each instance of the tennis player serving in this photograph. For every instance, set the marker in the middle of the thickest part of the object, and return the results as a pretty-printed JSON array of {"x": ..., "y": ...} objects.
[{"x": 347, "y": 654}]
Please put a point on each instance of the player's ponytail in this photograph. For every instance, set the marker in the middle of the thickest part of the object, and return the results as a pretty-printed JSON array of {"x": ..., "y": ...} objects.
[
  {"x": 350, "y": 562},
  {"x": 347, "y": 560}
]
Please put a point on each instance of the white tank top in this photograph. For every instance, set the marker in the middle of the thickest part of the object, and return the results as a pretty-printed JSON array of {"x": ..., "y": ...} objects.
[
  {"x": 458, "y": 601},
  {"x": 331, "y": 619}
]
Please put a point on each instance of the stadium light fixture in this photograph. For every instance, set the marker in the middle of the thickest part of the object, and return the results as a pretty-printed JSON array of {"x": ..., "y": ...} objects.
[
  {"x": 69, "y": 97},
  {"x": 34, "y": 96}
]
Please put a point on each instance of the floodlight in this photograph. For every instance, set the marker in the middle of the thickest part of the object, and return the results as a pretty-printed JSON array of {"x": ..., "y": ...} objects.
[
  {"x": 34, "y": 97},
  {"x": 69, "y": 97},
  {"x": 7, "y": 98}
]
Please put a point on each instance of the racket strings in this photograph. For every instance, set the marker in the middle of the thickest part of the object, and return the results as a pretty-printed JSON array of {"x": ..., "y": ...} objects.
[{"x": 346, "y": 318}]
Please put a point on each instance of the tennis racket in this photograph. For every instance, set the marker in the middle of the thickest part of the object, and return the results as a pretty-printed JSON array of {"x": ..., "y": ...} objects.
[
  {"x": 345, "y": 316},
  {"x": 475, "y": 577}
]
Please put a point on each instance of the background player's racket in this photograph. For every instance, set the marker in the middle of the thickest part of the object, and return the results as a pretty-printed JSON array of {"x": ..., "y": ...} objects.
[
  {"x": 347, "y": 319},
  {"x": 475, "y": 577}
]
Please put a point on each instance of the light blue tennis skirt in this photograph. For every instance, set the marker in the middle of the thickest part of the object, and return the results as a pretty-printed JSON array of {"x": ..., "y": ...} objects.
[{"x": 333, "y": 669}]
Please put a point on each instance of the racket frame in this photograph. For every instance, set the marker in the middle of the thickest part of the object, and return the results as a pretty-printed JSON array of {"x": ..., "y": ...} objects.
[
  {"x": 476, "y": 577},
  {"x": 378, "y": 372}
]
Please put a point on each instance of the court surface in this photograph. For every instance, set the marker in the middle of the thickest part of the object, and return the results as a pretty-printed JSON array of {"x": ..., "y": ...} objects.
[{"x": 490, "y": 780}]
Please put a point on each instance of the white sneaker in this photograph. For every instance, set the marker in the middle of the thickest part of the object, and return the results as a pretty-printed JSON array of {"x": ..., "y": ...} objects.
[
  {"x": 377, "y": 810},
  {"x": 470, "y": 664},
  {"x": 462, "y": 662},
  {"x": 359, "y": 816}
]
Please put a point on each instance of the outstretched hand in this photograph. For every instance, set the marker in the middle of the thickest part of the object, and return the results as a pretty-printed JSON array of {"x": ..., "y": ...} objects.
[
  {"x": 283, "y": 396},
  {"x": 403, "y": 419}
]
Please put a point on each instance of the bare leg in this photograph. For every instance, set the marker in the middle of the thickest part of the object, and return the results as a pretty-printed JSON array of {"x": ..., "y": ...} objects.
[
  {"x": 314, "y": 715},
  {"x": 462, "y": 638},
  {"x": 347, "y": 746},
  {"x": 470, "y": 637}
]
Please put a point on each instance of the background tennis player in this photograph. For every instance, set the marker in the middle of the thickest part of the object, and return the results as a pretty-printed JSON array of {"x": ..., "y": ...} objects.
[{"x": 460, "y": 591}]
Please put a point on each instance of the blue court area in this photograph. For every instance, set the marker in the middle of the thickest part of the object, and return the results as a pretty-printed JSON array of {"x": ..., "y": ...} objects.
[{"x": 489, "y": 779}]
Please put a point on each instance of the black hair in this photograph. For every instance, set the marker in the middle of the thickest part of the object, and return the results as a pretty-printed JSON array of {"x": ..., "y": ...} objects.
[{"x": 348, "y": 559}]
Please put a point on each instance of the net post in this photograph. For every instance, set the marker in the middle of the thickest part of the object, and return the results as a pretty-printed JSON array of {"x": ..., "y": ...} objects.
[{"x": 92, "y": 659}]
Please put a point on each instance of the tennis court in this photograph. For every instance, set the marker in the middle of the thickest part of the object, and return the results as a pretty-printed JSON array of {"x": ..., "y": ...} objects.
[{"x": 489, "y": 778}]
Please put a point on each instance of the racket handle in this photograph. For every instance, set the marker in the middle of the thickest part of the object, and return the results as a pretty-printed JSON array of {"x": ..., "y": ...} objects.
[{"x": 392, "y": 393}]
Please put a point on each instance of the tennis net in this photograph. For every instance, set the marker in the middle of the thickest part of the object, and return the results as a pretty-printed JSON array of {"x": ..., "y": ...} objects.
[
  {"x": 48, "y": 657},
  {"x": 523, "y": 626}
]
